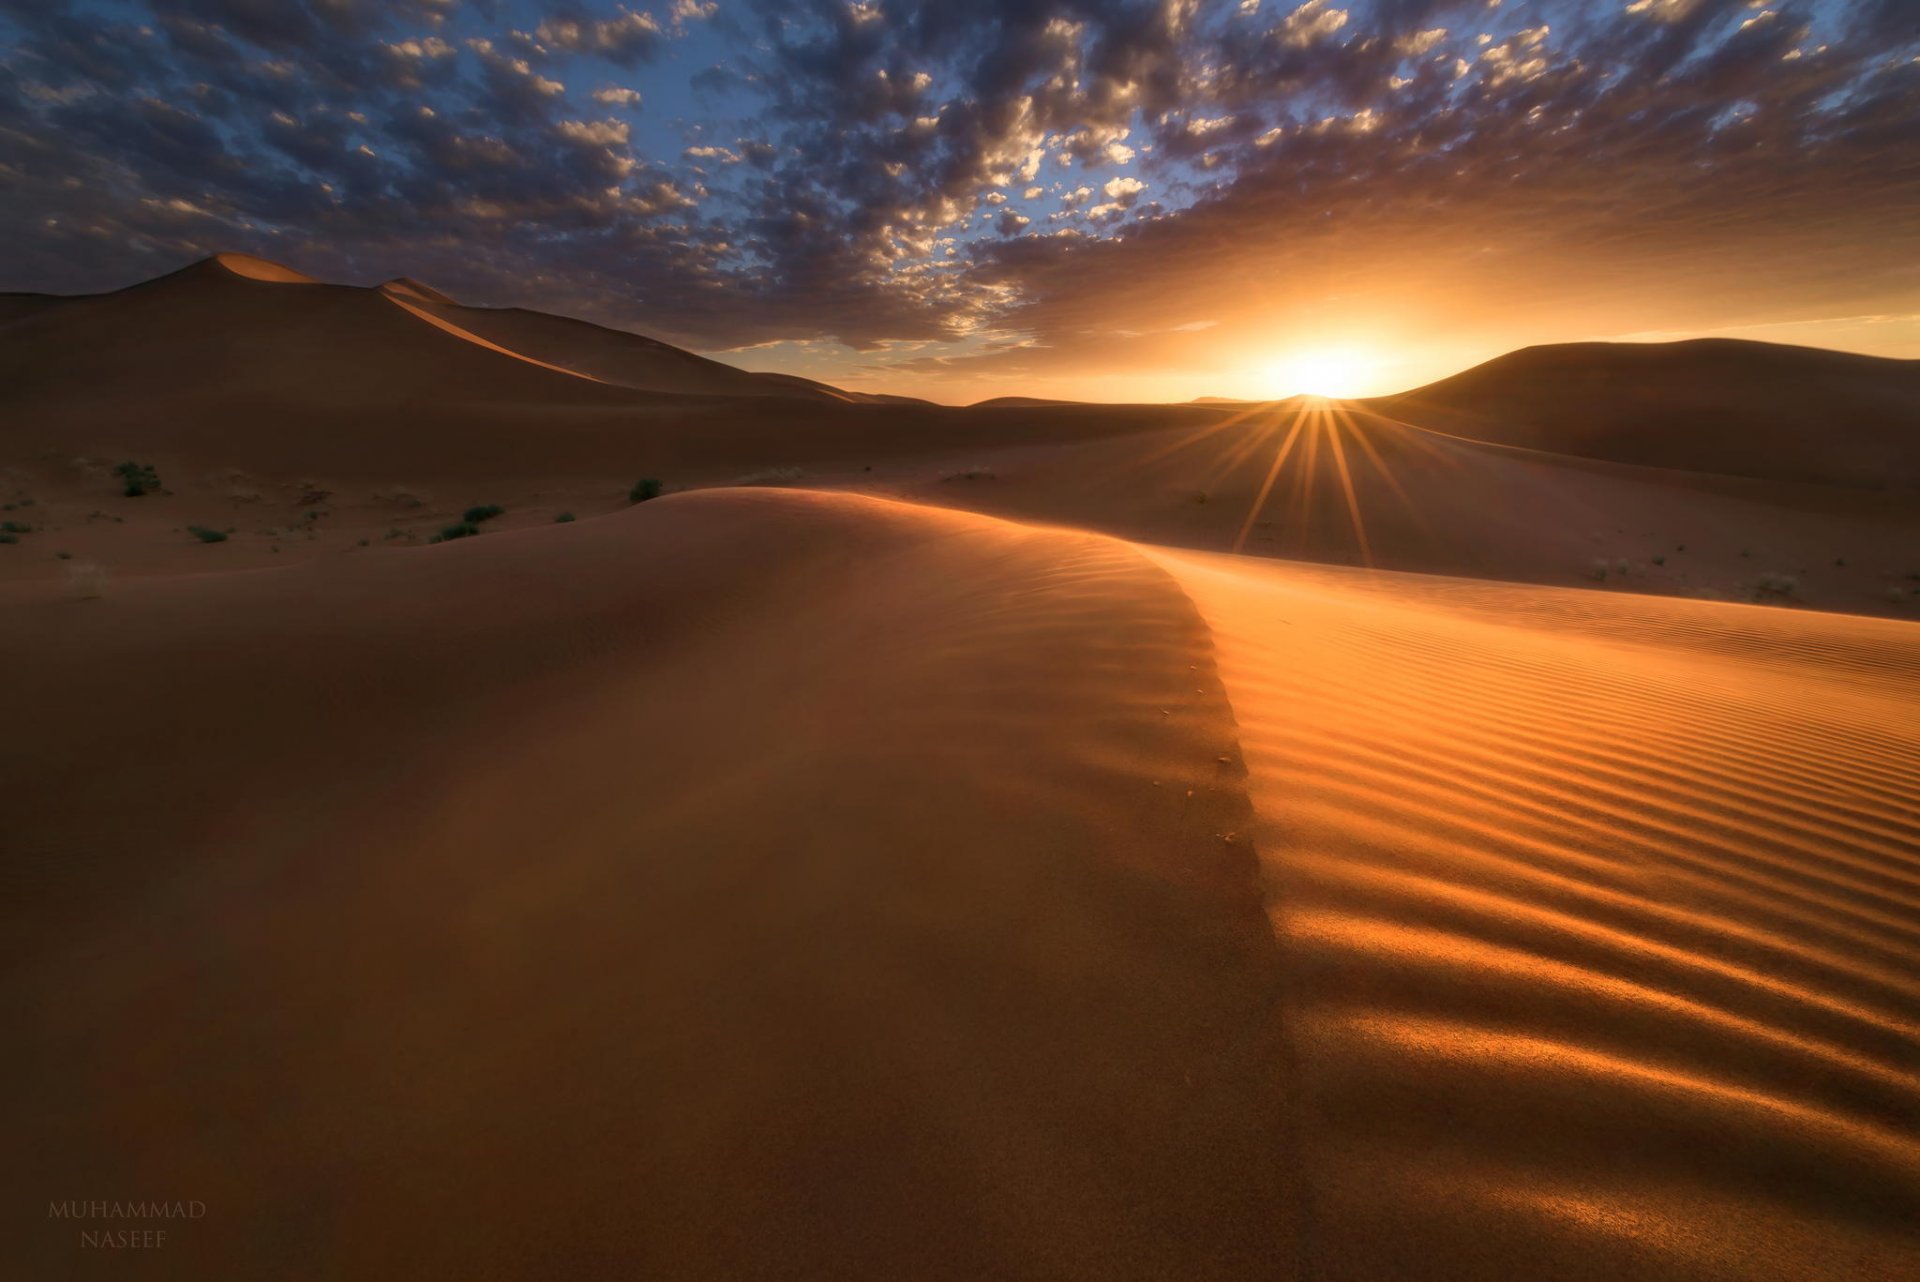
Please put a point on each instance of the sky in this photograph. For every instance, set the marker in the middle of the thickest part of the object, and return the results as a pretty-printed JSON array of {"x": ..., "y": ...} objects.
[{"x": 1094, "y": 199}]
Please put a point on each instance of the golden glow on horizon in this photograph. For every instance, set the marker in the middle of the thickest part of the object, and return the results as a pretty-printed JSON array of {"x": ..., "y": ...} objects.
[{"x": 1335, "y": 372}]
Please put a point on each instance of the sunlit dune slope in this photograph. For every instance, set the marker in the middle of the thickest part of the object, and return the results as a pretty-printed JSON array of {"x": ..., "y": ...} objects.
[
  {"x": 752, "y": 884},
  {"x": 1706, "y": 405},
  {"x": 1599, "y": 920},
  {"x": 609, "y": 355}
]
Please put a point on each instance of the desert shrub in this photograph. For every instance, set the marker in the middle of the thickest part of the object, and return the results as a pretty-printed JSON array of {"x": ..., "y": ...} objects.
[
  {"x": 206, "y": 535},
  {"x": 1659, "y": 559},
  {"x": 463, "y": 530},
  {"x": 969, "y": 474},
  {"x": 9, "y": 538},
  {"x": 15, "y": 527},
  {"x": 643, "y": 489},
  {"x": 481, "y": 512},
  {"x": 563, "y": 518},
  {"x": 1776, "y": 585},
  {"x": 1597, "y": 571},
  {"x": 137, "y": 478}
]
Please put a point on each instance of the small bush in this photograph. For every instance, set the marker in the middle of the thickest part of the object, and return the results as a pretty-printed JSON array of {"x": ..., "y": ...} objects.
[
  {"x": 1659, "y": 559},
  {"x": 481, "y": 512},
  {"x": 563, "y": 518},
  {"x": 206, "y": 535},
  {"x": 14, "y": 527},
  {"x": 137, "y": 478},
  {"x": 464, "y": 530},
  {"x": 1773, "y": 585},
  {"x": 9, "y": 538},
  {"x": 969, "y": 474},
  {"x": 643, "y": 489},
  {"x": 1597, "y": 571}
]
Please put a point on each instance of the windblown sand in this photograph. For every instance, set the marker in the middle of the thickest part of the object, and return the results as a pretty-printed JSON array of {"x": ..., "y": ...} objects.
[{"x": 792, "y": 884}]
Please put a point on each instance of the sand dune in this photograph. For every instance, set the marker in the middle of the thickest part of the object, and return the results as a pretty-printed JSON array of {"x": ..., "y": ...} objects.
[
  {"x": 796, "y": 884},
  {"x": 845, "y": 881},
  {"x": 1707, "y": 405},
  {"x": 247, "y": 337},
  {"x": 224, "y": 369},
  {"x": 1598, "y": 920},
  {"x": 608, "y": 355},
  {"x": 751, "y": 885}
]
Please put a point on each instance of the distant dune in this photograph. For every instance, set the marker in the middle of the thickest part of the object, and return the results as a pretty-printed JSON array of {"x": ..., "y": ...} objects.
[
  {"x": 1680, "y": 469},
  {"x": 1709, "y": 405},
  {"x": 609, "y": 355},
  {"x": 239, "y": 332},
  {"x": 1016, "y": 402},
  {"x": 227, "y": 328}
]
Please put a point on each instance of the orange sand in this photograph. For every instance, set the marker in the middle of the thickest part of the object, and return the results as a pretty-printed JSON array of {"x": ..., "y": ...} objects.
[{"x": 823, "y": 881}]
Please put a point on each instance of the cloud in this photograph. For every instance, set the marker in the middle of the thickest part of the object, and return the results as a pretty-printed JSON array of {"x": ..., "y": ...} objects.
[
  {"x": 626, "y": 39},
  {"x": 1645, "y": 154}
]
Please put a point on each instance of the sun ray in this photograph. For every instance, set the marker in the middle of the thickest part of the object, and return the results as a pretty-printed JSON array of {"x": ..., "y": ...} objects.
[
  {"x": 1334, "y": 434},
  {"x": 1266, "y": 486}
]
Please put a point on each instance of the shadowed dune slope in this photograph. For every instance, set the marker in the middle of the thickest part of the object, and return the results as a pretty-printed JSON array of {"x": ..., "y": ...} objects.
[
  {"x": 214, "y": 334},
  {"x": 752, "y": 884},
  {"x": 1706, "y": 405},
  {"x": 1599, "y": 918}
]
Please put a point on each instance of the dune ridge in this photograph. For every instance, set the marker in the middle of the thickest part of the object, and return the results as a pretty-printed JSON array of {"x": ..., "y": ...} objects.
[
  {"x": 1712, "y": 405},
  {"x": 1598, "y": 918}
]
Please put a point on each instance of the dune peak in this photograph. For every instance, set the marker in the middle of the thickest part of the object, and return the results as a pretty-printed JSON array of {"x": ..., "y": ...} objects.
[{"x": 262, "y": 269}]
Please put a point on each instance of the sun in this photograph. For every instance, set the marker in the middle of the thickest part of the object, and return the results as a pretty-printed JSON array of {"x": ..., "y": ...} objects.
[{"x": 1335, "y": 372}]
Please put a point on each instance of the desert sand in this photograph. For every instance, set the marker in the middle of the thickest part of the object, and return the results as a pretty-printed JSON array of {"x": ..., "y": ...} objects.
[{"x": 1296, "y": 840}]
